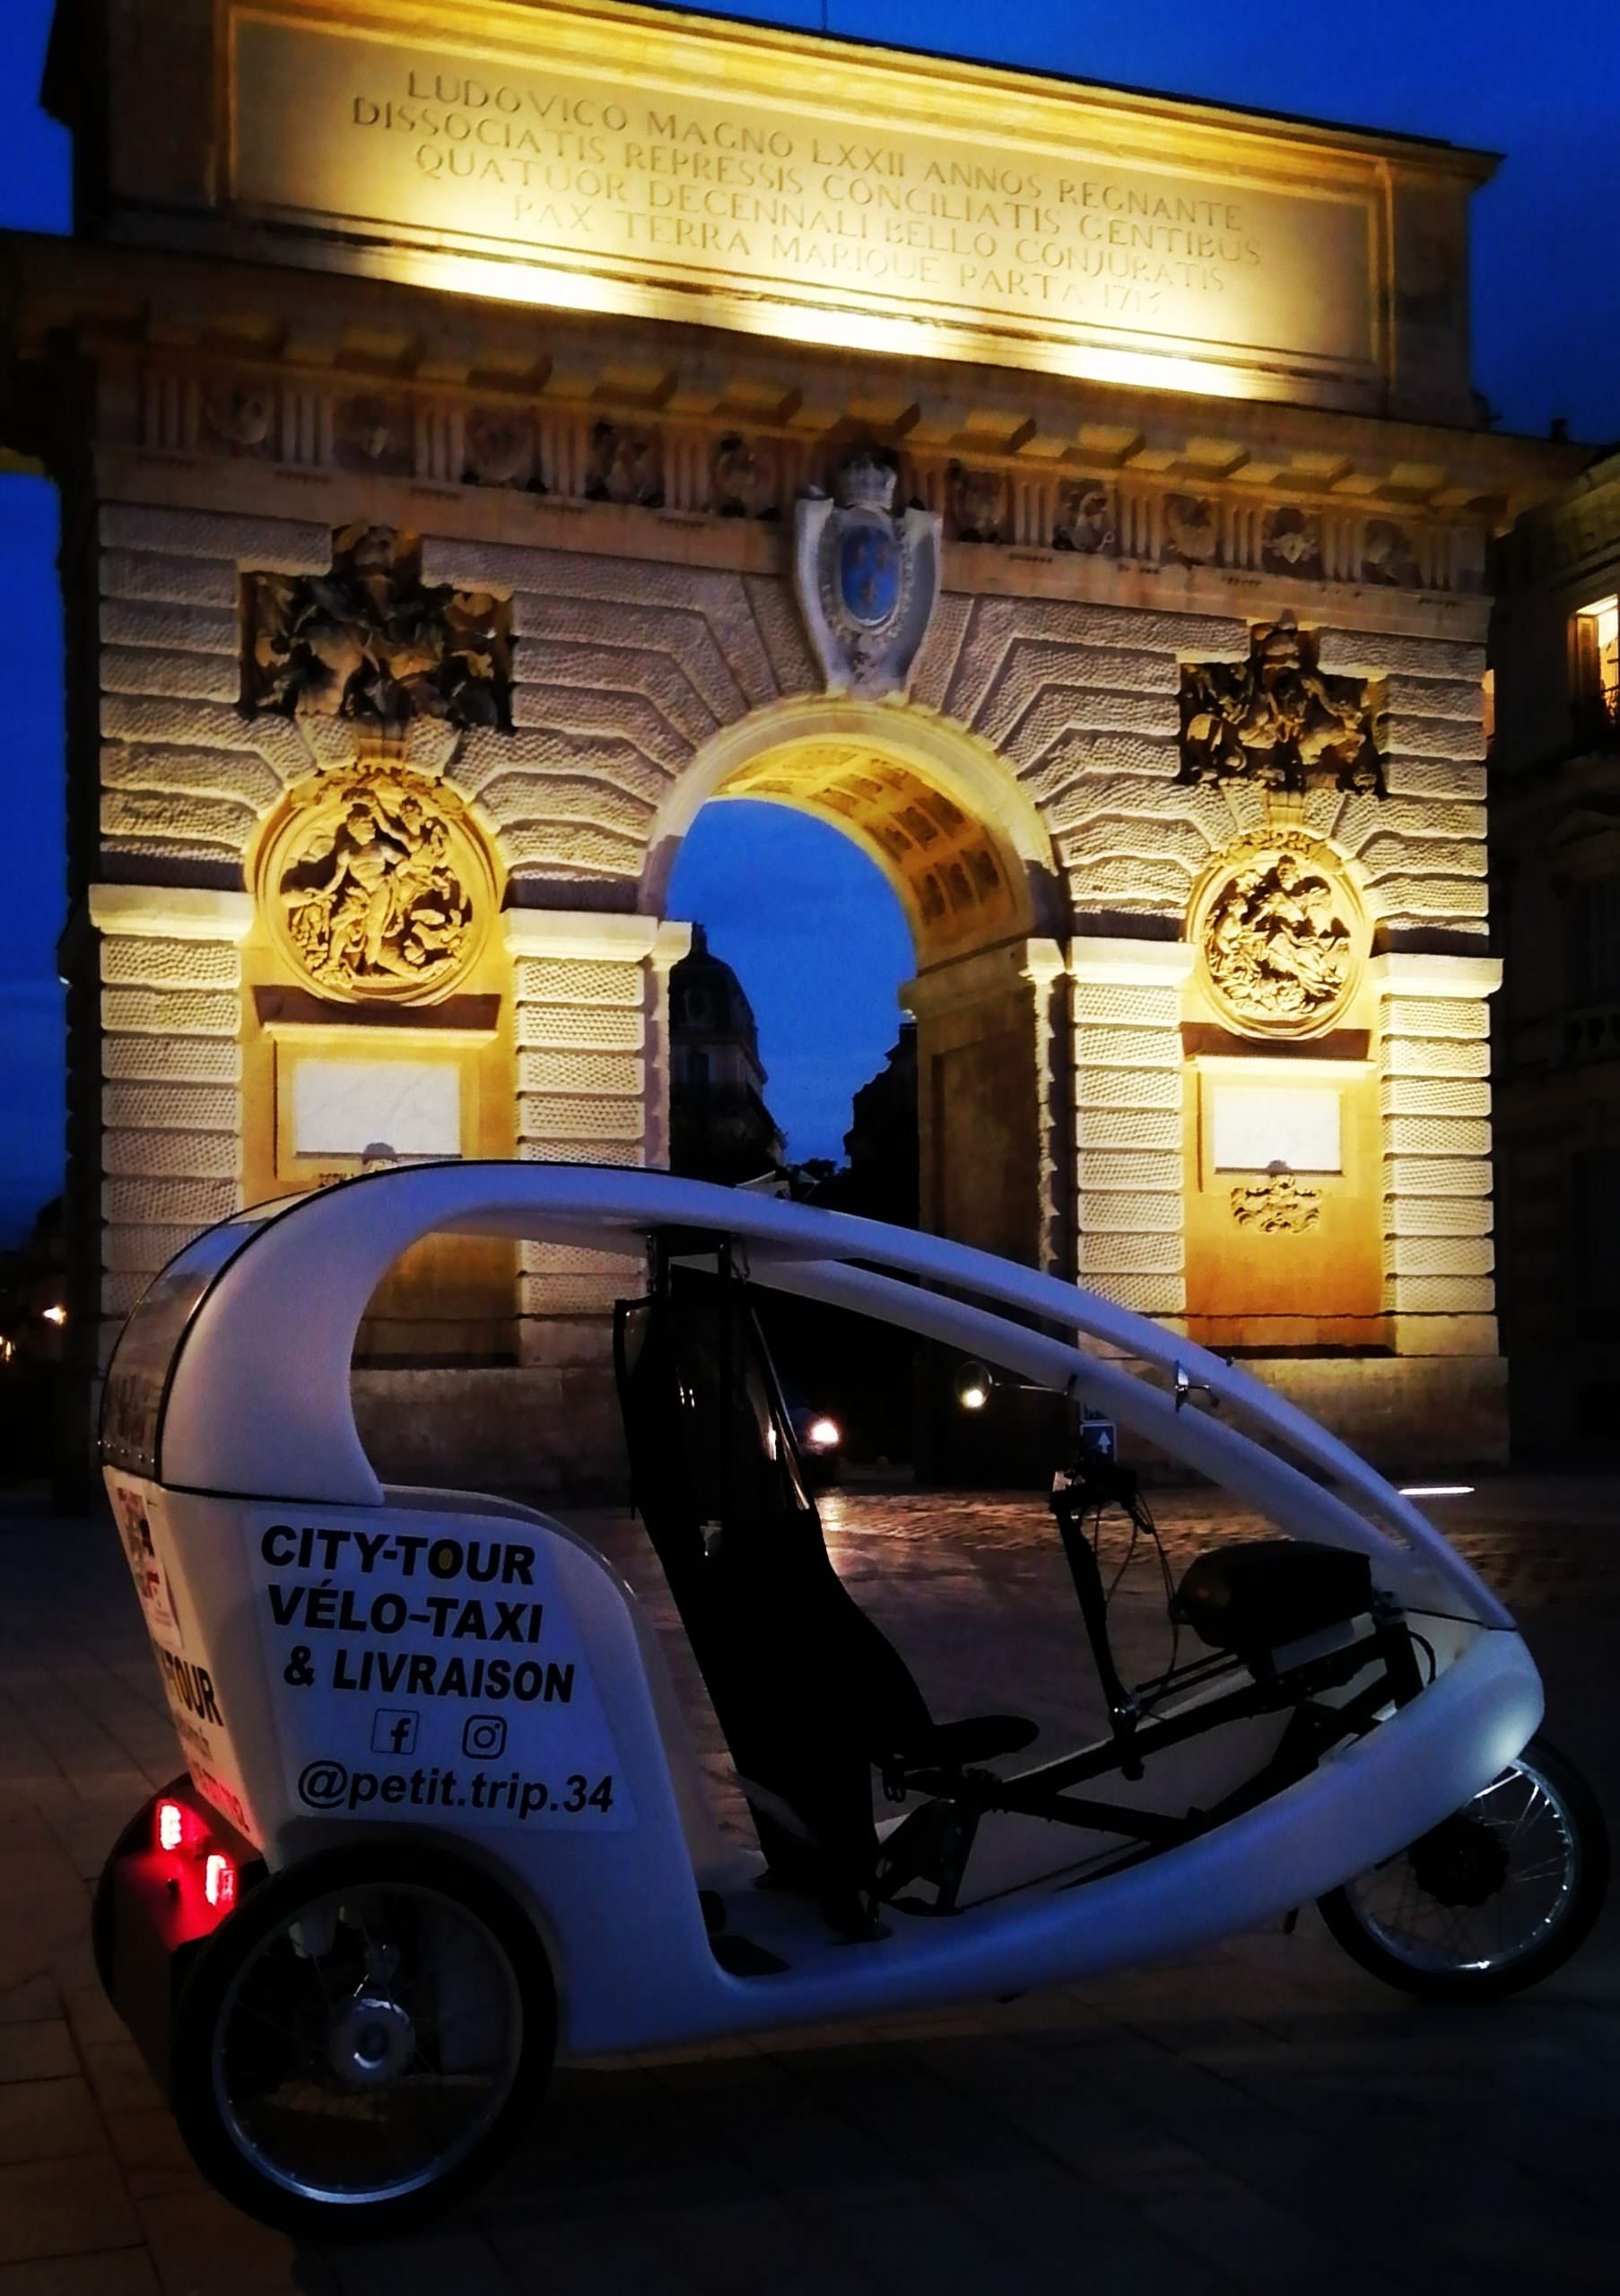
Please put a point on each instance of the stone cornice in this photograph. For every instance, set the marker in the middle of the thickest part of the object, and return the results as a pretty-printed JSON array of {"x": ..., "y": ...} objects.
[
  {"x": 170, "y": 912},
  {"x": 1399, "y": 972},
  {"x": 201, "y": 318},
  {"x": 595, "y": 934}
]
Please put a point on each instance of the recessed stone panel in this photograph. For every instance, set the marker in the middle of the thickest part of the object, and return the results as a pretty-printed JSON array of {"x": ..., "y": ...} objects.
[
  {"x": 284, "y": 545},
  {"x": 1429, "y": 1135},
  {"x": 1440, "y": 1295},
  {"x": 542, "y": 980},
  {"x": 563, "y": 1027},
  {"x": 1437, "y": 1176},
  {"x": 129, "y": 958},
  {"x": 1136, "y": 1255},
  {"x": 1437, "y": 1016},
  {"x": 157, "y": 1200},
  {"x": 1128, "y": 1128},
  {"x": 611, "y": 1072},
  {"x": 166, "y": 1106},
  {"x": 187, "y": 1012},
  {"x": 201, "y": 1060},
  {"x": 1122, "y": 1212},
  {"x": 557, "y": 1116},
  {"x": 1128, "y": 1048},
  {"x": 1099, "y": 1169},
  {"x": 1440, "y": 1096},
  {"x": 1097, "y": 1087},
  {"x": 1436, "y": 1057},
  {"x": 189, "y": 1156}
]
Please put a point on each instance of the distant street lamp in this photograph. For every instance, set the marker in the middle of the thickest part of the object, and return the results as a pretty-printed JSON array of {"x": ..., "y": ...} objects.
[{"x": 972, "y": 1384}]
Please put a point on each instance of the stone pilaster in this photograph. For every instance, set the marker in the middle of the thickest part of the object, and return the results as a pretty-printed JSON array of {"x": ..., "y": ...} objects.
[
  {"x": 588, "y": 1031},
  {"x": 1434, "y": 1060},
  {"x": 1131, "y": 1179},
  {"x": 991, "y": 1135},
  {"x": 170, "y": 969}
]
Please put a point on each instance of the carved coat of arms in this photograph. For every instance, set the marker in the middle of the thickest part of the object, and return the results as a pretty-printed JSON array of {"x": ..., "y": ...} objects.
[{"x": 866, "y": 579}]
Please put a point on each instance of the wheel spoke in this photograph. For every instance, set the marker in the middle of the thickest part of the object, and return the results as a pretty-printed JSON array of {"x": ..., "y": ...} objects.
[
  {"x": 1533, "y": 1836},
  {"x": 326, "y": 2108}
]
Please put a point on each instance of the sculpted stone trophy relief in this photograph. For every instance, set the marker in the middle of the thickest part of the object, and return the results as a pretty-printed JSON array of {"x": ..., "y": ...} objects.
[
  {"x": 371, "y": 642},
  {"x": 1280, "y": 935},
  {"x": 1279, "y": 720},
  {"x": 866, "y": 579},
  {"x": 375, "y": 883}
]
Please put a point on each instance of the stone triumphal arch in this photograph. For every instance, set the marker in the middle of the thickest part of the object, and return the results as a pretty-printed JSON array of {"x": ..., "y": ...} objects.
[{"x": 484, "y": 442}]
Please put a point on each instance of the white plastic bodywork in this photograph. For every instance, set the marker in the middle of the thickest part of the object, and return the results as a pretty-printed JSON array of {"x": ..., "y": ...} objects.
[{"x": 258, "y": 1447}]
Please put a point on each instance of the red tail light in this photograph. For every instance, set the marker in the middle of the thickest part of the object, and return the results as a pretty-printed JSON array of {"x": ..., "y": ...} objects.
[
  {"x": 219, "y": 1882},
  {"x": 171, "y": 1825}
]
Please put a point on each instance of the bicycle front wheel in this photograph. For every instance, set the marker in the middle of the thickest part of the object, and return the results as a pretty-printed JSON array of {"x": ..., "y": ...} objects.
[{"x": 1494, "y": 1898}]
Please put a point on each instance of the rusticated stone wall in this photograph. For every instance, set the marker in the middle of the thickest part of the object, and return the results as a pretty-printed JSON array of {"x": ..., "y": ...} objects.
[
  {"x": 171, "y": 1094},
  {"x": 1436, "y": 1103},
  {"x": 625, "y": 670}
]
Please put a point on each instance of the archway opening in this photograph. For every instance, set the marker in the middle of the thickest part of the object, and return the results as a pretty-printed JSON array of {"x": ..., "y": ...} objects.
[
  {"x": 848, "y": 871},
  {"x": 768, "y": 887}
]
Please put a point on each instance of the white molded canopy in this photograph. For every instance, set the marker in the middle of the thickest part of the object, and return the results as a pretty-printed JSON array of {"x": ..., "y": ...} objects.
[{"x": 256, "y": 1399}]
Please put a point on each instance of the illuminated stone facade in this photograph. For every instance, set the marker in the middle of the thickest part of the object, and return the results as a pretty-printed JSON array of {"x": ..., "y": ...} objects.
[{"x": 430, "y": 569}]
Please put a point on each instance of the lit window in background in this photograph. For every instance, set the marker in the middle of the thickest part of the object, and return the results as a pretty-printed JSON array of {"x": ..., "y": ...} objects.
[{"x": 1597, "y": 659}]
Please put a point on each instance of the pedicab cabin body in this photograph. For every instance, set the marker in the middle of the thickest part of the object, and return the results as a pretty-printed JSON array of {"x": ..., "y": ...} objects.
[{"x": 417, "y": 1720}]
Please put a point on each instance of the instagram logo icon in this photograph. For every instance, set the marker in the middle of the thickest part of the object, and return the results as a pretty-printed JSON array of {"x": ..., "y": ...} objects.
[{"x": 484, "y": 1737}]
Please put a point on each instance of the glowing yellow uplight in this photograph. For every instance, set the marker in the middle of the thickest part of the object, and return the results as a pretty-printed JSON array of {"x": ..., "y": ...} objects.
[{"x": 832, "y": 328}]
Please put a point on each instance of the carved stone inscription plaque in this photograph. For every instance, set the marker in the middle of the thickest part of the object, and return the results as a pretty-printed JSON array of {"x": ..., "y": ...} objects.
[{"x": 640, "y": 178}]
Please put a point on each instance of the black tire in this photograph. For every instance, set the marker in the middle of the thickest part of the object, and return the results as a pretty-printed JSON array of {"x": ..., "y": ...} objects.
[
  {"x": 1573, "y": 1870},
  {"x": 256, "y": 2072}
]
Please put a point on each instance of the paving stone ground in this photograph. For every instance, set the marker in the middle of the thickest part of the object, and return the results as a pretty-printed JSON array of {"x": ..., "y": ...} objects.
[{"x": 1263, "y": 2117}]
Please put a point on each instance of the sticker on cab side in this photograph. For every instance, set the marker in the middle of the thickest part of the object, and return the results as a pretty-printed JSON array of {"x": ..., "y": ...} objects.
[
  {"x": 425, "y": 1670},
  {"x": 195, "y": 1697}
]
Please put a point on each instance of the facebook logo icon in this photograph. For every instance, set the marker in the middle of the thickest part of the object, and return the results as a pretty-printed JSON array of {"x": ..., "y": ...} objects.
[{"x": 394, "y": 1730}]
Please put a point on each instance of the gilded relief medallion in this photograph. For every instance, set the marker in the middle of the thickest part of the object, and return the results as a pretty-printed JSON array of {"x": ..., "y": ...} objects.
[
  {"x": 1279, "y": 935},
  {"x": 375, "y": 883}
]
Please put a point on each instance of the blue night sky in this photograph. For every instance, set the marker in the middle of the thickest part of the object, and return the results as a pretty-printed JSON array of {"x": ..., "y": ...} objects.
[{"x": 821, "y": 959}]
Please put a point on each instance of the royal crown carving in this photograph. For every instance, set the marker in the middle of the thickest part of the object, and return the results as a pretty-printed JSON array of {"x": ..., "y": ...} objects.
[
  {"x": 375, "y": 883},
  {"x": 371, "y": 642},
  {"x": 1278, "y": 720},
  {"x": 865, "y": 578},
  {"x": 1280, "y": 935}
]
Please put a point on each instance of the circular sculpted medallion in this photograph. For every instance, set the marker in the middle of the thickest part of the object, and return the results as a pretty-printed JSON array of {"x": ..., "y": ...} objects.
[
  {"x": 1280, "y": 935},
  {"x": 375, "y": 883}
]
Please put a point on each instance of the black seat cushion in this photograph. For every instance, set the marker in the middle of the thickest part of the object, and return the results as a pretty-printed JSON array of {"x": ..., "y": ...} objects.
[
  {"x": 810, "y": 1693},
  {"x": 1260, "y": 1594}
]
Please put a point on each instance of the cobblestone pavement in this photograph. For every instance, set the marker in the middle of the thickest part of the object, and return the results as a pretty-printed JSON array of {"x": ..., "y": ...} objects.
[{"x": 1262, "y": 2117}]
